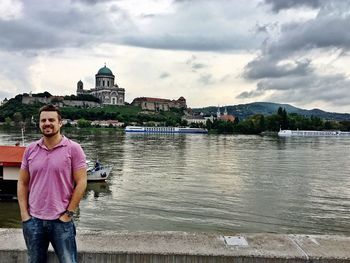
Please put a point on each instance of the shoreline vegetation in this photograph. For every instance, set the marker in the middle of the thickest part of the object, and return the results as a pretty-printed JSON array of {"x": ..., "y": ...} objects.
[{"x": 16, "y": 114}]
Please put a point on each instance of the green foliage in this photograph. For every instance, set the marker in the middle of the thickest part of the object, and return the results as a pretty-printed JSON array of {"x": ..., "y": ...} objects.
[
  {"x": 82, "y": 123},
  {"x": 15, "y": 105},
  {"x": 259, "y": 123},
  {"x": 42, "y": 95},
  {"x": 82, "y": 97},
  {"x": 8, "y": 122},
  {"x": 20, "y": 114}
]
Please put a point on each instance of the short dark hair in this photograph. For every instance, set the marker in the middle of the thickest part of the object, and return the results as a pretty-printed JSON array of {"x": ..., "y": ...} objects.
[{"x": 51, "y": 107}]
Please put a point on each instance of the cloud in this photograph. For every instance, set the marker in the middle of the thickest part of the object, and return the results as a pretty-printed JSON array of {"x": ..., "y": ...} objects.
[
  {"x": 41, "y": 27},
  {"x": 230, "y": 46},
  {"x": 206, "y": 79},
  {"x": 306, "y": 90},
  {"x": 15, "y": 75},
  {"x": 203, "y": 26},
  {"x": 192, "y": 62},
  {"x": 266, "y": 67},
  {"x": 198, "y": 66},
  {"x": 91, "y": 2},
  {"x": 285, "y": 69},
  {"x": 164, "y": 75},
  {"x": 278, "y": 5},
  {"x": 250, "y": 94},
  {"x": 10, "y": 9}
]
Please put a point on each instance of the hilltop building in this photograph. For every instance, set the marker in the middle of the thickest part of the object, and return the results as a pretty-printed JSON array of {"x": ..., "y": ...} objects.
[
  {"x": 225, "y": 117},
  {"x": 198, "y": 119},
  {"x": 156, "y": 104},
  {"x": 105, "y": 89}
]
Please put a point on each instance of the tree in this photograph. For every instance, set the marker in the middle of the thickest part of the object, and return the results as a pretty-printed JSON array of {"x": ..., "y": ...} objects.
[
  {"x": 18, "y": 119},
  {"x": 209, "y": 124},
  {"x": 8, "y": 122},
  {"x": 82, "y": 123}
]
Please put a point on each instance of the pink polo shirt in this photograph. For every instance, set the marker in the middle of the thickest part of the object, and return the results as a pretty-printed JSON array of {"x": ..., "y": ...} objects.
[{"x": 51, "y": 182}]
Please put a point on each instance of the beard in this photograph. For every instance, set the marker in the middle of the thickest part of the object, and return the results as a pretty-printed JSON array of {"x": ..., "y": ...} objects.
[{"x": 48, "y": 135}]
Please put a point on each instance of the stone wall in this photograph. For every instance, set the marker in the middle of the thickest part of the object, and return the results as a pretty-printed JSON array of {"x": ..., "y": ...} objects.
[
  {"x": 60, "y": 103},
  {"x": 182, "y": 247}
]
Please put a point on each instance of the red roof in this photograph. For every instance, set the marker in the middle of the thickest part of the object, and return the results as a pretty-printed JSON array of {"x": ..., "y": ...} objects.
[
  {"x": 151, "y": 99},
  {"x": 227, "y": 118},
  {"x": 11, "y": 155}
]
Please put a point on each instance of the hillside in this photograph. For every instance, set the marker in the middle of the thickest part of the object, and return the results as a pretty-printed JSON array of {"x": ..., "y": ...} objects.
[
  {"x": 243, "y": 111},
  {"x": 15, "y": 110}
]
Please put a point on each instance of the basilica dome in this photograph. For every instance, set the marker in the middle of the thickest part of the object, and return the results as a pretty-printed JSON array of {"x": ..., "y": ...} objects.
[{"x": 105, "y": 71}]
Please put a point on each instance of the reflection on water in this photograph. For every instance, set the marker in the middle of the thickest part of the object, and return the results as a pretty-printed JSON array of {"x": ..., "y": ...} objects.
[
  {"x": 212, "y": 183},
  {"x": 97, "y": 189}
]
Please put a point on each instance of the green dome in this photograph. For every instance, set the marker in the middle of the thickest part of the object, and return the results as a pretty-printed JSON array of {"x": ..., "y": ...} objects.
[{"x": 105, "y": 71}]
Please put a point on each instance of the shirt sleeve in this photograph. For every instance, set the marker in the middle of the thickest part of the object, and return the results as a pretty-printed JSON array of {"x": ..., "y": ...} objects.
[
  {"x": 78, "y": 157},
  {"x": 24, "y": 164}
]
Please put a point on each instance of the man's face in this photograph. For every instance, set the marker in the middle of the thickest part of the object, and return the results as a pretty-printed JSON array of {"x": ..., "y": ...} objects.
[{"x": 50, "y": 125}]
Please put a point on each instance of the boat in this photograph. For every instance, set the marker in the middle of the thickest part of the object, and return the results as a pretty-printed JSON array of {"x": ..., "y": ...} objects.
[
  {"x": 98, "y": 172},
  {"x": 179, "y": 130},
  {"x": 304, "y": 133},
  {"x": 10, "y": 164}
]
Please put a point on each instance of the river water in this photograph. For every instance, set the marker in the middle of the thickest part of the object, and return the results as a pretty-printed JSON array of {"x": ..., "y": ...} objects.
[{"x": 211, "y": 183}]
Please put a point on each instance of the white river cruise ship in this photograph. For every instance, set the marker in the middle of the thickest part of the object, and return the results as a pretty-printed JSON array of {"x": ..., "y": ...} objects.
[
  {"x": 139, "y": 129},
  {"x": 290, "y": 133}
]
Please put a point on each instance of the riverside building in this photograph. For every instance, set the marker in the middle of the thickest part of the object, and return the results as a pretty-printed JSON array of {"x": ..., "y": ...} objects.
[{"x": 106, "y": 89}]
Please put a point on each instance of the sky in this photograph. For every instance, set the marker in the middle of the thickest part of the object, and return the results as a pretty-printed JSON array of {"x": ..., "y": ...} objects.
[{"x": 212, "y": 52}]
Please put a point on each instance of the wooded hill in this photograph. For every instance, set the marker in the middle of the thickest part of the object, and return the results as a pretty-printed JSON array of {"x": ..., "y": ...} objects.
[{"x": 243, "y": 111}]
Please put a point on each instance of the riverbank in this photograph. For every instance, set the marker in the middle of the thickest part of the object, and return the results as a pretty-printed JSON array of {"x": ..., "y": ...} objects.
[{"x": 109, "y": 246}]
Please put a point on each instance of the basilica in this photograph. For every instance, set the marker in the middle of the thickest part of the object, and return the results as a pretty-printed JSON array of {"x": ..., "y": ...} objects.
[{"x": 105, "y": 89}]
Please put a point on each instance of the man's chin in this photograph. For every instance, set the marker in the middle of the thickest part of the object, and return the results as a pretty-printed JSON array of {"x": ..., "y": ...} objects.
[{"x": 49, "y": 135}]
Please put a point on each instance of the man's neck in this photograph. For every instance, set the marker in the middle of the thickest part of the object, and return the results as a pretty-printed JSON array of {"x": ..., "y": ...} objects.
[{"x": 51, "y": 142}]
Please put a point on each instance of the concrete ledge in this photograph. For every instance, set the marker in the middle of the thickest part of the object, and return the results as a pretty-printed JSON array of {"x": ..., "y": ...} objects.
[{"x": 176, "y": 247}]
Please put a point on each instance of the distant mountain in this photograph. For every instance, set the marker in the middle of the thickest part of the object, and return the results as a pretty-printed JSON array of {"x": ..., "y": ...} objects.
[{"x": 243, "y": 111}]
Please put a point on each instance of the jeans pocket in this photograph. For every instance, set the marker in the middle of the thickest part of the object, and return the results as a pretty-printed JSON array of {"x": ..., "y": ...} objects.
[
  {"x": 67, "y": 226},
  {"x": 28, "y": 220}
]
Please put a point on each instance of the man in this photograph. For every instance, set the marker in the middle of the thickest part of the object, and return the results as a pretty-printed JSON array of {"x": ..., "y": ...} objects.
[{"x": 52, "y": 181}]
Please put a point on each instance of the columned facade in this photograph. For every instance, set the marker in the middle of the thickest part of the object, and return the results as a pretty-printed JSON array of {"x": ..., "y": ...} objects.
[{"x": 105, "y": 89}]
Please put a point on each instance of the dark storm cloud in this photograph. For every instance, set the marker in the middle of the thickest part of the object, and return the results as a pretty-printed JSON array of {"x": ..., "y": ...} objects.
[
  {"x": 42, "y": 27},
  {"x": 285, "y": 68},
  {"x": 82, "y": 23},
  {"x": 304, "y": 89},
  {"x": 198, "y": 42},
  {"x": 278, "y": 5},
  {"x": 322, "y": 32},
  {"x": 250, "y": 94},
  {"x": 263, "y": 68},
  {"x": 326, "y": 88}
]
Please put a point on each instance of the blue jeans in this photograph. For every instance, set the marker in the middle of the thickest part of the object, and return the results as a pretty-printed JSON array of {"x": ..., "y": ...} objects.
[{"x": 39, "y": 233}]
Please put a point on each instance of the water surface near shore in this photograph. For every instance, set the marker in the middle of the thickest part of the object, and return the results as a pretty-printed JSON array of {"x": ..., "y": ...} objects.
[{"x": 211, "y": 183}]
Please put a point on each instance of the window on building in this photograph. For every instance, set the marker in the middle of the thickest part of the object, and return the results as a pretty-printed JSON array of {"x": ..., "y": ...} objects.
[
  {"x": 103, "y": 83},
  {"x": 108, "y": 83}
]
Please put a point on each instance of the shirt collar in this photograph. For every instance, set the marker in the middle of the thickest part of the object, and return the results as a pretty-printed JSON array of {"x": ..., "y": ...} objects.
[{"x": 63, "y": 142}]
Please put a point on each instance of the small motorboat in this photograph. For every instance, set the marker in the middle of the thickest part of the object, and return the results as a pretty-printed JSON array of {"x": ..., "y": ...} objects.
[{"x": 98, "y": 172}]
